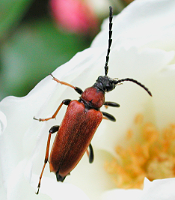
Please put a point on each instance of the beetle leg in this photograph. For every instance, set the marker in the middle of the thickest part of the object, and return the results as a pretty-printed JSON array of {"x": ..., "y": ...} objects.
[
  {"x": 65, "y": 102},
  {"x": 109, "y": 116},
  {"x": 90, "y": 154},
  {"x": 52, "y": 130},
  {"x": 77, "y": 89},
  {"x": 112, "y": 104}
]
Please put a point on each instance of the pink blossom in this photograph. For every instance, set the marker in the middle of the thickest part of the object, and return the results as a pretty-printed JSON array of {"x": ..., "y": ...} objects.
[{"x": 74, "y": 15}]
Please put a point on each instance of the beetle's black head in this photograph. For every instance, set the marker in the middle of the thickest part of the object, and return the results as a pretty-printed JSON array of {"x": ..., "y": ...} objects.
[{"x": 104, "y": 83}]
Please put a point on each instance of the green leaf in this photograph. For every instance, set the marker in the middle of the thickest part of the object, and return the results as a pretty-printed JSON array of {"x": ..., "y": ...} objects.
[
  {"x": 34, "y": 52},
  {"x": 10, "y": 12}
]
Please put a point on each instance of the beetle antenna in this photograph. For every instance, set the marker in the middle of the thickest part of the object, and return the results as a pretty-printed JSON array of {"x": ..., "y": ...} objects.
[
  {"x": 134, "y": 81},
  {"x": 109, "y": 40}
]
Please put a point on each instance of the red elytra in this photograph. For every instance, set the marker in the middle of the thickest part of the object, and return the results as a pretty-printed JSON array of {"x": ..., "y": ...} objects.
[{"x": 65, "y": 157}]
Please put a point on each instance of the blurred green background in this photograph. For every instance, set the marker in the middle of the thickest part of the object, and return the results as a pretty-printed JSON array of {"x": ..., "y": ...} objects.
[{"x": 33, "y": 43}]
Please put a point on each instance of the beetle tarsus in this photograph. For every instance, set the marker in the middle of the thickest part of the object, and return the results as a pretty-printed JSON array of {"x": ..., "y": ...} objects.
[
  {"x": 35, "y": 118},
  {"x": 37, "y": 192}
]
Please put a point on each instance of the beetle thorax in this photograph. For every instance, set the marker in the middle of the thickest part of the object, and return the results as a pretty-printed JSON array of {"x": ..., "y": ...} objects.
[{"x": 93, "y": 97}]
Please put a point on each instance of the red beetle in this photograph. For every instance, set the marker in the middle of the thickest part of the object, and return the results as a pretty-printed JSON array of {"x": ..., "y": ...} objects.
[{"x": 80, "y": 122}]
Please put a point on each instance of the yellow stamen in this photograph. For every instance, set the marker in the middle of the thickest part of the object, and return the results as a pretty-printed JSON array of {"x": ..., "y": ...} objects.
[{"x": 146, "y": 152}]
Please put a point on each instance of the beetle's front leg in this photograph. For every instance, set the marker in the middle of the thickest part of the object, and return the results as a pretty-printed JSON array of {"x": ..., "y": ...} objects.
[
  {"x": 65, "y": 102},
  {"x": 51, "y": 131},
  {"x": 77, "y": 89}
]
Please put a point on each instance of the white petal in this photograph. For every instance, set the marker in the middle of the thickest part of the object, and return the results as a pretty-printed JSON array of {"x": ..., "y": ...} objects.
[
  {"x": 143, "y": 23},
  {"x": 3, "y": 122},
  {"x": 162, "y": 189},
  {"x": 17, "y": 186},
  {"x": 92, "y": 178},
  {"x": 164, "y": 98},
  {"x": 130, "y": 194}
]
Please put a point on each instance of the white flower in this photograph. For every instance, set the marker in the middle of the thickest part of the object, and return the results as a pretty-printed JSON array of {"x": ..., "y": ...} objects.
[
  {"x": 143, "y": 49},
  {"x": 3, "y": 122}
]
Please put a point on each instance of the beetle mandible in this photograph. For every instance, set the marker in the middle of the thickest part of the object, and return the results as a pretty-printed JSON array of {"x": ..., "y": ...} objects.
[{"x": 80, "y": 122}]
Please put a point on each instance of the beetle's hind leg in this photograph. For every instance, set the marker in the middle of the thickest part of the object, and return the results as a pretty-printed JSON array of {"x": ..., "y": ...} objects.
[
  {"x": 90, "y": 154},
  {"x": 51, "y": 131}
]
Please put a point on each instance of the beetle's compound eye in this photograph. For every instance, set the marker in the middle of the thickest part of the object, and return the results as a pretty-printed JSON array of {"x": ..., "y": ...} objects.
[{"x": 110, "y": 86}]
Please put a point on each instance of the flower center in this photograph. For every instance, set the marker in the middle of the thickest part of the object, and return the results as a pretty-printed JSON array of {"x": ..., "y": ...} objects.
[{"x": 146, "y": 152}]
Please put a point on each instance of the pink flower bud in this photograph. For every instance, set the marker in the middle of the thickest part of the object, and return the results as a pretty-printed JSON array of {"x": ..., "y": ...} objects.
[{"x": 74, "y": 15}]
